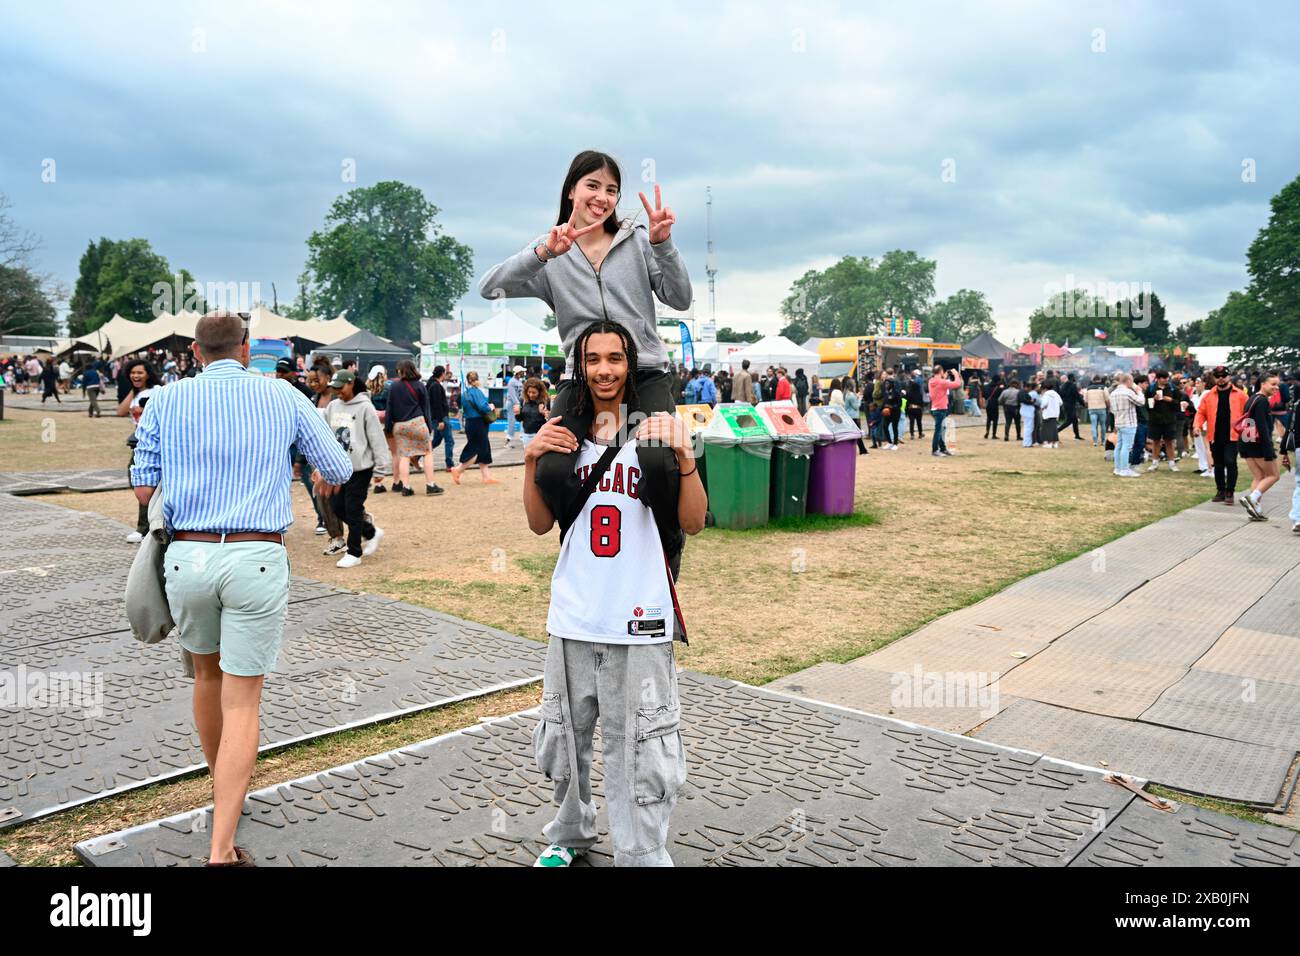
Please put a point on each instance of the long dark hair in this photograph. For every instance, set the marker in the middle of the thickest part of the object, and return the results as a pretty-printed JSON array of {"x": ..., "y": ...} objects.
[
  {"x": 154, "y": 379},
  {"x": 585, "y": 163},
  {"x": 604, "y": 326}
]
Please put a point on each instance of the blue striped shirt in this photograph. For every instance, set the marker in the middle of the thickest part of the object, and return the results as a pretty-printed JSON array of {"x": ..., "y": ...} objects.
[{"x": 221, "y": 442}]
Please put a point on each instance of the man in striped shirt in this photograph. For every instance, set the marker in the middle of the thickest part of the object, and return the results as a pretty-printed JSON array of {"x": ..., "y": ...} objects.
[{"x": 219, "y": 443}]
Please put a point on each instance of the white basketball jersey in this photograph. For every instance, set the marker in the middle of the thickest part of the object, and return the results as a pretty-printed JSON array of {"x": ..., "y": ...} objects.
[{"x": 611, "y": 582}]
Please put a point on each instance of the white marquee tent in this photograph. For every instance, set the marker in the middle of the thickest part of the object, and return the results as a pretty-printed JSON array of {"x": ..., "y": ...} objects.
[
  {"x": 507, "y": 331},
  {"x": 775, "y": 350}
]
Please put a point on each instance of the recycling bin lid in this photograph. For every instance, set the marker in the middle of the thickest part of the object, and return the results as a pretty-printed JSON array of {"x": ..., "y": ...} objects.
[
  {"x": 696, "y": 417},
  {"x": 783, "y": 420},
  {"x": 831, "y": 423},
  {"x": 736, "y": 422}
]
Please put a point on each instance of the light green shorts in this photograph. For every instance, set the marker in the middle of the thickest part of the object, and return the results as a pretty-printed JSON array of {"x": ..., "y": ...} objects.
[{"x": 230, "y": 599}]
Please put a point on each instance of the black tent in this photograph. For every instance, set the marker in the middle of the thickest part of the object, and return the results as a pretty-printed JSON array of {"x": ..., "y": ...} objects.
[
  {"x": 986, "y": 346},
  {"x": 368, "y": 349}
]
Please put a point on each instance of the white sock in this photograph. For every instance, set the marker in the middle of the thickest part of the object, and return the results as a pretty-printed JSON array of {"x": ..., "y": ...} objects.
[{"x": 1255, "y": 496}]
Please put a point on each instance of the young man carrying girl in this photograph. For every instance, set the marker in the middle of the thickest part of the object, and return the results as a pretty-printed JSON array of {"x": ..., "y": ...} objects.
[{"x": 613, "y": 617}]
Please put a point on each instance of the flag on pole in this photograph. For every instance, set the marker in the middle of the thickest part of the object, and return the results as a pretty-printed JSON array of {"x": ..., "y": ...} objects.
[
  {"x": 688, "y": 351},
  {"x": 1098, "y": 333}
]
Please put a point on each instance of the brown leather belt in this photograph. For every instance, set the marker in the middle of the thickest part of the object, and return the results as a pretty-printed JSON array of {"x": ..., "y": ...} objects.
[{"x": 218, "y": 538}]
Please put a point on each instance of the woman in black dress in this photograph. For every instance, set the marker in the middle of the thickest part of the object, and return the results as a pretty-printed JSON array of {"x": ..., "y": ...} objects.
[{"x": 1255, "y": 447}]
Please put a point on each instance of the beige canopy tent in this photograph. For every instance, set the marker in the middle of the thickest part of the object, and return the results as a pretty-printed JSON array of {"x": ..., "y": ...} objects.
[
  {"x": 265, "y": 324},
  {"x": 123, "y": 337}
]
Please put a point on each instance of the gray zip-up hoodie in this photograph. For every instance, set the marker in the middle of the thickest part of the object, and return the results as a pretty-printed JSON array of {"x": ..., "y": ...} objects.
[
  {"x": 357, "y": 427},
  {"x": 632, "y": 274}
]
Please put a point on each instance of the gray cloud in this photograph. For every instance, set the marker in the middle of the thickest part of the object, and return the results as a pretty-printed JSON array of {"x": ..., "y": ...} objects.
[{"x": 1117, "y": 165}]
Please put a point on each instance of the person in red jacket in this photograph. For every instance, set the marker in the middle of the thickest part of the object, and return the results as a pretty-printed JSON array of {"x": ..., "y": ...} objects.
[
  {"x": 1221, "y": 406},
  {"x": 784, "y": 390}
]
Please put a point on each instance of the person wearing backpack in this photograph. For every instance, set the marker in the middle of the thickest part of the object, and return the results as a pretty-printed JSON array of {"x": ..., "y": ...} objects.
[{"x": 613, "y": 615}]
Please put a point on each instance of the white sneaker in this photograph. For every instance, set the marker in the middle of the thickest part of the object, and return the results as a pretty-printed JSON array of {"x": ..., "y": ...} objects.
[
  {"x": 348, "y": 561},
  {"x": 1296, "y": 527},
  {"x": 371, "y": 546},
  {"x": 1129, "y": 473},
  {"x": 1173, "y": 466},
  {"x": 135, "y": 537},
  {"x": 1154, "y": 465}
]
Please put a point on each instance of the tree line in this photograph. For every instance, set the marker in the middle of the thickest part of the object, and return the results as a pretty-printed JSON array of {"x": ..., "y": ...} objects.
[{"x": 382, "y": 257}]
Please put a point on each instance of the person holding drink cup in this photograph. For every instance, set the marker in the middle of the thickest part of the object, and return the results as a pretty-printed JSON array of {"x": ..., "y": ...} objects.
[{"x": 1164, "y": 402}]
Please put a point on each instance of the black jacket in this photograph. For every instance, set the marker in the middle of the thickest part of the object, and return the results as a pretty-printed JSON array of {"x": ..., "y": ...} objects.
[
  {"x": 531, "y": 417},
  {"x": 437, "y": 399},
  {"x": 890, "y": 393},
  {"x": 1069, "y": 398}
]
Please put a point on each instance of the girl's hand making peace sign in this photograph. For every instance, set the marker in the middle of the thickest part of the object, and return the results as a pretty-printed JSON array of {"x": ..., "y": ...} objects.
[
  {"x": 563, "y": 237},
  {"x": 661, "y": 217}
]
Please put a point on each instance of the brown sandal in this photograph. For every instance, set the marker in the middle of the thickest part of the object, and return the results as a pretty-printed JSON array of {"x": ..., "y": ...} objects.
[{"x": 242, "y": 858}]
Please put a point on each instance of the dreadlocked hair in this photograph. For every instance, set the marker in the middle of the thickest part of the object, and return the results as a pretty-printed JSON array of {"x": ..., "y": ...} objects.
[{"x": 603, "y": 326}]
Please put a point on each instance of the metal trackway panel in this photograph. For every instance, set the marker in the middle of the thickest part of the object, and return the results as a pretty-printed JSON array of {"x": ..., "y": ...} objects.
[
  {"x": 937, "y": 647},
  {"x": 1234, "y": 770},
  {"x": 6, "y": 861},
  {"x": 1224, "y": 705},
  {"x": 347, "y": 660},
  {"x": 41, "y": 482},
  {"x": 1277, "y": 612},
  {"x": 1259, "y": 655},
  {"x": 949, "y": 702},
  {"x": 771, "y": 781},
  {"x": 1090, "y": 683},
  {"x": 20, "y": 485},
  {"x": 1144, "y": 836}
]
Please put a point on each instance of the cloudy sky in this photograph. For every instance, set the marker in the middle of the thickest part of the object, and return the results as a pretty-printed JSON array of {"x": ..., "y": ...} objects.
[{"x": 1110, "y": 143}]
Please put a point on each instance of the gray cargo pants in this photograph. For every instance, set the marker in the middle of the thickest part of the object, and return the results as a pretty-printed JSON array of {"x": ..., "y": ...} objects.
[{"x": 633, "y": 690}]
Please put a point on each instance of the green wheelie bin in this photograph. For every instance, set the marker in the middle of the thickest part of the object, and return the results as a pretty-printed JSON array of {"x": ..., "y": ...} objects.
[
  {"x": 738, "y": 451},
  {"x": 792, "y": 449}
]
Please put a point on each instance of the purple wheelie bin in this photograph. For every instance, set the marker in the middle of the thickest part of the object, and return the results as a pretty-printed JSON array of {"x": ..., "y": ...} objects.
[{"x": 833, "y": 474}]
